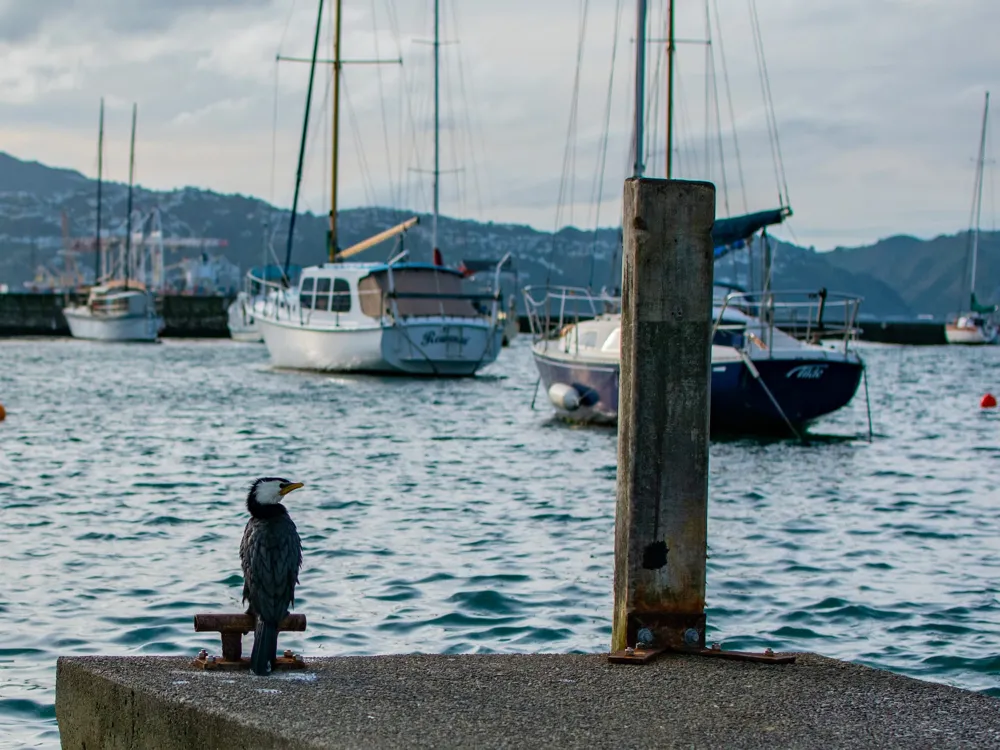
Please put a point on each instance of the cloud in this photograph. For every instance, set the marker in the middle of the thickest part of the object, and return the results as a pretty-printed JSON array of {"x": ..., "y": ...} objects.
[
  {"x": 23, "y": 19},
  {"x": 877, "y": 103}
]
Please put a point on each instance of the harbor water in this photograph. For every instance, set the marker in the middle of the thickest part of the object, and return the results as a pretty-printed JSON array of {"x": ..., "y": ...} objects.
[{"x": 449, "y": 516}]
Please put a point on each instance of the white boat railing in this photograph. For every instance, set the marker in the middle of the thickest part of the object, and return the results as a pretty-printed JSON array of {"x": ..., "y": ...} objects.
[
  {"x": 282, "y": 303},
  {"x": 810, "y": 316},
  {"x": 559, "y": 306}
]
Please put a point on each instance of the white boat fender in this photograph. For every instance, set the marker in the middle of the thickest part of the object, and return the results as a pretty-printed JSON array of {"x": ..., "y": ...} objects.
[{"x": 564, "y": 396}]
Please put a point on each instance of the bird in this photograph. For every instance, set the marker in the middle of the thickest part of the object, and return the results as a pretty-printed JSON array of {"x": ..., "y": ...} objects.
[{"x": 271, "y": 556}]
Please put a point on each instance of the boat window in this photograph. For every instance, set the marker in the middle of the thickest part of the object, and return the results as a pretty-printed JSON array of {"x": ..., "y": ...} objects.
[
  {"x": 341, "y": 296},
  {"x": 306, "y": 293},
  {"x": 323, "y": 294},
  {"x": 613, "y": 344}
]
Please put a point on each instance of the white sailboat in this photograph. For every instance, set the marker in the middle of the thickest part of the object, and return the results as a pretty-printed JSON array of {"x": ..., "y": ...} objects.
[
  {"x": 393, "y": 317},
  {"x": 119, "y": 309},
  {"x": 975, "y": 325}
]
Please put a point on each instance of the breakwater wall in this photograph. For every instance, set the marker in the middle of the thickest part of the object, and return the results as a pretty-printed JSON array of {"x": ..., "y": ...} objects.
[{"x": 30, "y": 314}]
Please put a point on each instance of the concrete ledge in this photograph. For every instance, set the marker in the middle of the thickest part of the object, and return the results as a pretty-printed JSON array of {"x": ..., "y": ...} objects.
[{"x": 572, "y": 701}]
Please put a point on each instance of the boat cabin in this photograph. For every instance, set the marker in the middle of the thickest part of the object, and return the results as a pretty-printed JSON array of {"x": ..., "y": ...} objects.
[{"x": 404, "y": 290}]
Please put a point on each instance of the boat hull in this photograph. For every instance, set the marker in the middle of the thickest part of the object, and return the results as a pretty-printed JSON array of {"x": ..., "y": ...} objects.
[
  {"x": 806, "y": 389},
  {"x": 241, "y": 322},
  {"x": 970, "y": 335},
  {"x": 84, "y": 325},
  {"x": 414, "y": 348}
]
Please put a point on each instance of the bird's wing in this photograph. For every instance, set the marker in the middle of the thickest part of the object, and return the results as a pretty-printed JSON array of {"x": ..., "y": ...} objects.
[
  {"x": 275, "y": 554},
  {"x": 245, "y": 544}
]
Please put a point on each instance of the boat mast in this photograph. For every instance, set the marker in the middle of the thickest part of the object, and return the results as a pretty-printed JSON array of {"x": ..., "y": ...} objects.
[
  {"x": 437, "y": 124},
  {"x": 977, "y": 211},
  {"x": 670, "y": 88},
  {"x": 100, "y": 177},
  {"x": 640, "y": 86},
  {"x": 302, "y": 145},
  {"x": 332, "y": 250},
  {"x": 128, "y": 220}
]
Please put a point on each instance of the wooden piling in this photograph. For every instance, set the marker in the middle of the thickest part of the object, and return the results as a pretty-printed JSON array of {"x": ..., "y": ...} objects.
[{"x": 663, "y": 413}]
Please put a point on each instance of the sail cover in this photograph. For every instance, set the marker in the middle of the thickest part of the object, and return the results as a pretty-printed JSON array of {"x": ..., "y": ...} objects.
[{"x": 732, "y": 233}]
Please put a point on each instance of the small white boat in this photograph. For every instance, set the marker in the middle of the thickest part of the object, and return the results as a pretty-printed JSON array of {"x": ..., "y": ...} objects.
[
  {"x": 971, "y": 329},
  {"x": 119, "y": 309},
  {"x": 241, "y": 321},
  {"x": 115, "y": 312},
  {"x": 406, "y": 318},
  {"x": 975, "y": 324}
]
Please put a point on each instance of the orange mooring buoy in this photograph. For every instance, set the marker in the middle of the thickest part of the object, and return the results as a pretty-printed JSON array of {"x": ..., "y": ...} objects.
[
  {"x": 988, "y": 401},
  {"x": 3, "y": 414}
]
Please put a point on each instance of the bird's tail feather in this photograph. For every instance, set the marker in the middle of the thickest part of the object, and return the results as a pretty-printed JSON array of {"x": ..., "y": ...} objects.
[{"x": 265, "y": 647}]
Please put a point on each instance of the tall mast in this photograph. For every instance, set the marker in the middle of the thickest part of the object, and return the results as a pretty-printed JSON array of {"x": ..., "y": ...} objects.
[
  {"x": 100, "y": 179},
  {"x": 437, "y": 124},
  {"x": 128, "y": 220},
  {"x": 977, "y": 211},
  {"x": 640, "y": 86},
  {"x": 302, "y": 150},
  {"x": 332, "y": 250},
  {"x": 670, "y": 88}
]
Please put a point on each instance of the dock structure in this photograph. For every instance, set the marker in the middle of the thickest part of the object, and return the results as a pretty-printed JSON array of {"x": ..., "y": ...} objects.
[
  {"x": 669, "y": 692},
  {"x": 506, "y": 701}
]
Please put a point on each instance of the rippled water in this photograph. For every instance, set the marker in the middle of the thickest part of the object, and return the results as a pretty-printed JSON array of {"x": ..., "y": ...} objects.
[{"x": 447, "y": 516}]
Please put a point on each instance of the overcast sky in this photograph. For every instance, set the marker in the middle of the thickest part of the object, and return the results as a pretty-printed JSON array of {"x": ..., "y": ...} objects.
[{"x": 877, "y": 104}]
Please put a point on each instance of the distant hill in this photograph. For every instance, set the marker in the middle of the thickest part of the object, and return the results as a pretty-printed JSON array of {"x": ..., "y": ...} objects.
[{"x": 897, "y": 276}]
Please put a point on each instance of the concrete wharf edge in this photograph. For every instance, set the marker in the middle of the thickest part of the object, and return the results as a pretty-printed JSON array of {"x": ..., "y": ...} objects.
[{"x": 513, "y": 701}]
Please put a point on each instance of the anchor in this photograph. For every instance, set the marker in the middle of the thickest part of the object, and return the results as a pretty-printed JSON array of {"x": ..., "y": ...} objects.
[{"x": 232, "y": 628}]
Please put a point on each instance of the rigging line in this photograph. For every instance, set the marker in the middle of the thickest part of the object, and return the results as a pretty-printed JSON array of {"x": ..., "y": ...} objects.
[
  {"x": 779, "y": 165},
  {"x": 302, "y": 145},
  {"x": 573, "y": 141},
  {"x": 381, "y": 99},
  {"x": 393, "y": 15},
  {"x": 655, "y": 82},
  {"x": 732, "y": 111},
  {"x": 466, "y": 100},
  {"x": 448, "y": 86},
  {"x": 708, "y": 94},
  {"x": 274, "y": 134},
  {"x": 366, "y": 174},
  {"x": 570, "y": 131},
  {"x": 597, "y": 194},
  {"x": 718, "y": 130}
]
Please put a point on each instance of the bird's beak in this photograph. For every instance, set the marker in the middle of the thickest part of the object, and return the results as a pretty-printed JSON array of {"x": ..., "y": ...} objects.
[{"x": 285, "y": 489}]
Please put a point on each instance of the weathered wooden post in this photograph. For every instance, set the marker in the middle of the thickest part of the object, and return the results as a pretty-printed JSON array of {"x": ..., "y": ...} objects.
[{"x": 663, "y": 414}]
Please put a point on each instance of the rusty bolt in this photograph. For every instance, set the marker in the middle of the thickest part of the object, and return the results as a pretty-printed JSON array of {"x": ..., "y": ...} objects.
[
  {"x": 629, "y": 651},
  {"x": 717, "y": 647},
  {"x": 768, "y": 652},
  {"x": 691, "y": 637},
  {"x": 644, "y": 638},
  {"x": 288, "y": 653},
  {"x": 203, "y": 654}
]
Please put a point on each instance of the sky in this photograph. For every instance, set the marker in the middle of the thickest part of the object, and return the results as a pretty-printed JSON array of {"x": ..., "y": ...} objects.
[{"x": 877, "y": 104}]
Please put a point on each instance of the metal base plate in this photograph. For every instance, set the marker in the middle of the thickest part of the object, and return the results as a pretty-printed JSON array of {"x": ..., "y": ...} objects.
[
  {"x": 282, "y": 663},
  {"x": 644, "y": 656}
]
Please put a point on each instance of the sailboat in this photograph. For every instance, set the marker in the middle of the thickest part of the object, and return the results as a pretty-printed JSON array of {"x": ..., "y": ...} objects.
[
  {"x": 762, "y": 378},
  {"x": 395, "y": 317},
  {"x": 119, "y": 309},
  {"x": 973, "y": 326}
]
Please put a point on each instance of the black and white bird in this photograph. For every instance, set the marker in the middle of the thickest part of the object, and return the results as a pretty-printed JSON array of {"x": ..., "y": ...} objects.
[{"x": 271, "y": 554}]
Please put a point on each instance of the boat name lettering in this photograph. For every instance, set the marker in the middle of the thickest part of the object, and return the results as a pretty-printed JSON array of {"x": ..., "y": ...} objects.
[
  {"x": 807, "y": 372},
  {"x": 446, "y": 338}
]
